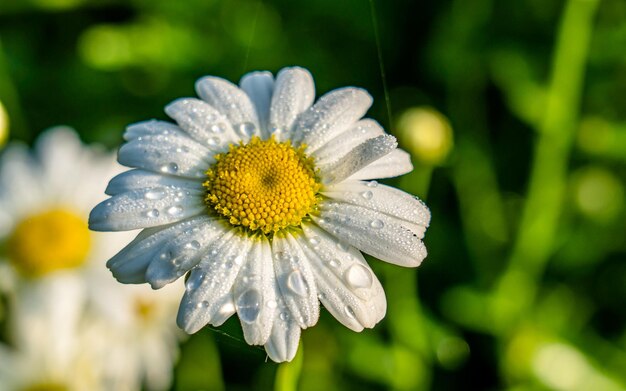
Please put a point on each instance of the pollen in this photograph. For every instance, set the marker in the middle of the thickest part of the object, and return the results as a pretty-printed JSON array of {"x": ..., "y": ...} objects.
[
  {"x": 263, "y": 186},
  {"x": 49, "y": 241}
]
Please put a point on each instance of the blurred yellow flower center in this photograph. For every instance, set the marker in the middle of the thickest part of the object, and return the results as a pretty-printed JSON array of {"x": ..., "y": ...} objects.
[
  {"x": 46, "y": 387},
  {"x": 49, "y": 241},
  {"x": 263, "y": 185}
]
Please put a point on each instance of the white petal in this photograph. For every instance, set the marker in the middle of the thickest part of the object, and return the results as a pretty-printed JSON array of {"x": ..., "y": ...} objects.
[
  {"x": 285, "y": 337},
  {"x": 391, "y": 165},
  {"x": 381, "y": 198},
  {"x": 146, "y": 208},
  {"x": 20, "y": 181},
  {"x": 341, "y": 145},
  {"x": 149, "y": 128},
  {"x": 294, "y": 92},
  {"x": 254, "y": 294},
  {"x": 295, "y": 280},
  {"x": 333, "y": 113},
  {"x": 172, "y": 154},
  {"x": 231, "y": 101},
  {"x": 259, "y": 87},
  {"x": 182, "y": 253},
  {"x": 203, "y": 122},
  {"x": 210, "y": 283},
  {"x": 130, "y": 264},
  {"x": 387, "y": 238},
  {"x": 348, "y": 288},
  {"x": 140, "y": 179},
  {"x": 362, "y": 155}
]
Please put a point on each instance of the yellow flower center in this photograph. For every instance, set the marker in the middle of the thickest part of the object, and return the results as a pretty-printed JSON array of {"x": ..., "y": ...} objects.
[
  {"x": 46, "y": 387},
  {"x": 263, "y": 185},
  {"x": 49, "y": 241}
]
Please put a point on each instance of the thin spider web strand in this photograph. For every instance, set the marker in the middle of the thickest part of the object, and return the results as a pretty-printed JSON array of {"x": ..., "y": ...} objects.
[
  {"x": 252, "y": 35},
  {"x": 381, "y": 64}
]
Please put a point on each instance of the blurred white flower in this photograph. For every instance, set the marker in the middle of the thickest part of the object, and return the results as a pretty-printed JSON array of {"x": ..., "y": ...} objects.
[
  {"x": 139, "y": 340},
  {"x": 49, "y": 349},
  {"x": 265, "y": 198},
  {"x": 64, "y": 305}
]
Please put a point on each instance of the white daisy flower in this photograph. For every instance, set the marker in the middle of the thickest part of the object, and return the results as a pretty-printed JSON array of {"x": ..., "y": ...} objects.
[
  {"x": 49, "y": 348},
  {"x": 54, "y": 274},
  {"x": 136, "y": 333},
  {"x": 265, "y": 199},
  {"x": 45, "y": 198}
]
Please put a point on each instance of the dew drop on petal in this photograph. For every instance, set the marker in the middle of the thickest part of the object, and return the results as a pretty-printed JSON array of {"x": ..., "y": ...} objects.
[
  {"x": 377, "y": 224},
  {"x": 372, "y": 184},
  {"x": 314, "y": 240},
  {"x": 175, "y": 210},
  {"x": 152, "y": 213},
  {"x": 213, "y": 141},
  {"x": 271, "y": 304},
  {"x": 194, "y": 244},
  {"x": 170, "y": 168},
  {"x": 248, "y": 305},
  {"x": 283, "y": 316},
  {"x": 367, "y": 195},
  {"x": 296, "y": 283},
  {"x": 334, "y": 263},
  {"x": 194, "y": 281},
  {"x": 203, "y": 304},
  {"x": 357, "y": 276},
  {"x": 343, "y": 246},
  {"x": 154, "y": 194},
  {"x": 218, "y": 128},
  {"x": 349, "y": 312},
  {"x": 245, "y": 129}
]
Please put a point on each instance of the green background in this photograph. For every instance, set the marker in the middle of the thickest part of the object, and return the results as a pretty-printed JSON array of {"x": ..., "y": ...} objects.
[{"x": 524, "y": 287}]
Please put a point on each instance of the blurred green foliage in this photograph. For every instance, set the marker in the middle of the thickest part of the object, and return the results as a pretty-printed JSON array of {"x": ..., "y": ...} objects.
[{"x": 525, "y": 284}]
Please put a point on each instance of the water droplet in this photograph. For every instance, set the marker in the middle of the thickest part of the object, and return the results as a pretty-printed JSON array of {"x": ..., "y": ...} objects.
[
  {"x": 357, "y": 276},
  {"x": 271, "y": 304},
  {"x": 367, "y": 195},
  {"x": 194, "y": 281},
  {"x": 245, "y": 129},
  {"x": 228, "y": 265},
  {"x": 213, "y": 141},
  {"x": 218, "y": 128},
  {"x": 248, "y": 305},
  {"x": 343, "y": 246},
  {"x": 169, "y": 168},
  {"x": 334, "y": 263},
  {"x": 377, "y": 224},
  {"x": 203, "y": 304},
  {"x": 154, "y": 194},
  {"x": 372, "y": 184},
  {"x": 194, "y": 244},
  {"x": 109, "y": 203},
  {"x": 283, "y": 316},
  {"x": 152, "y": 213},
  {"x": 314, "y": 240},
  {"x": 296, "y": 283},
  {"x": 175, "y": 210},
  {"x": 322, "y": 296},
  {"x": 349, "y": 312}
]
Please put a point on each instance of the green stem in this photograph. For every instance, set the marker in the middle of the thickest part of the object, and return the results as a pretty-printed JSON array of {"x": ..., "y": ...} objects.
[
  {"x": 288, "y": 373},
  {"x": 535, "y": 239}
]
